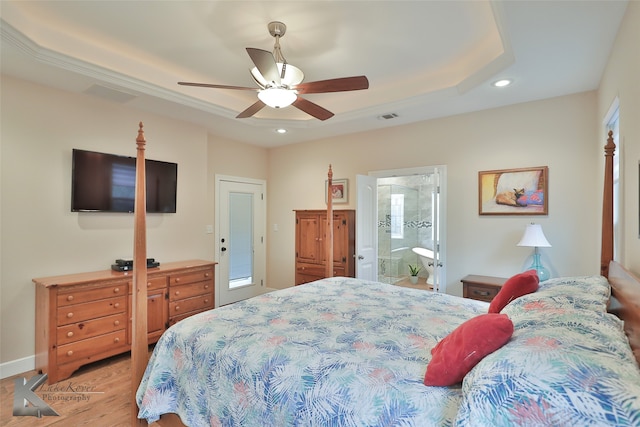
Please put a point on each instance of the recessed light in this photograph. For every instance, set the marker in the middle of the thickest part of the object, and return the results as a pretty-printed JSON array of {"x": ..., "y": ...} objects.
[
  {"x": 502, "y": 83},
  {"x": 281, "y": 130}
]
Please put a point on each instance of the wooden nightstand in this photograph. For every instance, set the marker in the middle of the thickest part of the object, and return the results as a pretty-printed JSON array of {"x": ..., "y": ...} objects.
[{"x": 482, "y": 288}]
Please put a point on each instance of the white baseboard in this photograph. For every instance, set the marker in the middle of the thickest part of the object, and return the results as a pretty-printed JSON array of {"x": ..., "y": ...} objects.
[{"x": 18, "y": 366}]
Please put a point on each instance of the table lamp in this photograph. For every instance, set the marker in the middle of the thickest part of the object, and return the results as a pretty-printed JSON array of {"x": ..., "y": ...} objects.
[{"x": 534, "y": 238}]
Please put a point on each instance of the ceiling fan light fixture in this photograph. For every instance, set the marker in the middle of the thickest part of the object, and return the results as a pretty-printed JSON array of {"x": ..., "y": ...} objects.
[{"x": 277, "y": 97}]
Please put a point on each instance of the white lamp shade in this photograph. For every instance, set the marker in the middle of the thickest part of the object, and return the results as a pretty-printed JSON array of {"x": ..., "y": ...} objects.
[{"x": 534, "y": 237}]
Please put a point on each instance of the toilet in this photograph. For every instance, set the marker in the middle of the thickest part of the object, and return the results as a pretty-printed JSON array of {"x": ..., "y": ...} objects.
[{"x": 426, "y": 256}]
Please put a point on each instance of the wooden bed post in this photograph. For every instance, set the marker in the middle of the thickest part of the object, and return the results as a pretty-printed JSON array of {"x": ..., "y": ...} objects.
[
  {"x": 139, "y": 341},
  {"x": 329, "y": 237},
  {"x": 606, "y": 253}
]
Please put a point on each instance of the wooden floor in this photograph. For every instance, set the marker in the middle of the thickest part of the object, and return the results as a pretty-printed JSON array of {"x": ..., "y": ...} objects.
[{"x": 107, "y": 406}]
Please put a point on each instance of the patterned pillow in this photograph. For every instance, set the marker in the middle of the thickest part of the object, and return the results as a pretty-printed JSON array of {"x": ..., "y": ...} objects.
[
  {"x": 571, "y": 368},
  {"x": 587, "y": 293}
]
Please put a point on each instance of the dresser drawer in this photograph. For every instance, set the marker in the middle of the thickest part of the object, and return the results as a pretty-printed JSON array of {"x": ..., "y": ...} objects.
[
  {"x": 157, "y": 282},
  {"x": 482, "y": 293},
  {"x": 91, "y": 310},
  {"x": 197, "y": 276},
  {"x": 199, "y": 303},
  {"x": 90, "y": 328},
  {"x": 91, "y": 346},
  {"x": 192, "y": 290},
  {"x": 78, "y": 296}
]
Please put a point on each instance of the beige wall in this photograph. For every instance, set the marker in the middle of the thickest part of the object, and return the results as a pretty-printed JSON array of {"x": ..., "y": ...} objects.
[
  {"x": 560, "y": 133},
  {"x": 620, "y": 81},
  {"x": 42, "y": 237}
]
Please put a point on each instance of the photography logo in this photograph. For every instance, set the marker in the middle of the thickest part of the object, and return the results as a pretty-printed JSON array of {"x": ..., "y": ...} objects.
[{"x": 24, "y": 395}]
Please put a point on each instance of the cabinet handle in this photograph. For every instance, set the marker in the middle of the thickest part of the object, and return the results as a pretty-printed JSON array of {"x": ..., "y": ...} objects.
[
  {"x": 70, "y": 315},
  {"x": 70, "y": 298},
  {"x": 482, "y": 293},
  {"x": 116, "y": 340},
  {"x": 116, "y": 290},
  {"x": 116, "y": 323},
  {"x": 69, "y": 334},
  {"x": 70, "y": 353}
]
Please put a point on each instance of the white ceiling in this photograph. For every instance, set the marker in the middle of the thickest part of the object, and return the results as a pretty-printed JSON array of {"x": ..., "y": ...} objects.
[{"x": 423, "y": 59}]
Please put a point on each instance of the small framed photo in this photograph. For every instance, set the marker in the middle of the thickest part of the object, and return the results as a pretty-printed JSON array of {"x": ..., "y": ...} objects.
[
  {"x": 339, "y": 191},
  {"x": 521, "y": 191}
]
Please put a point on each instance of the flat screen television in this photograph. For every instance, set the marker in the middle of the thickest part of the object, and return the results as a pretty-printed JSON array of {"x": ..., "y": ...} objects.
[{"x": 103, "y": 182}]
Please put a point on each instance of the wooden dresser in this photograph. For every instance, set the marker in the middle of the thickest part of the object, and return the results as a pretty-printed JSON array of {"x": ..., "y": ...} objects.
[
  {"x": 85, "y": 317},
  {"x": 310, "y": 244}
]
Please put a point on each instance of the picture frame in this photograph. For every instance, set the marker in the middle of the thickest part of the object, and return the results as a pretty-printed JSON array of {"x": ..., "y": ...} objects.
[
  {"x": 521, "y": 191},
  {"x": 340, "y": 191}
]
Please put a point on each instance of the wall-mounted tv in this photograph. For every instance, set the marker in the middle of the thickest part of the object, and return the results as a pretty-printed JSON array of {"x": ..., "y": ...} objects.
[{"x": 103, "y": 182}]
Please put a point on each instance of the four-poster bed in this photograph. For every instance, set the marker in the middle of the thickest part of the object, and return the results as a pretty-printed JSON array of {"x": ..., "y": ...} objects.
[{"x": 342, "y": 351}]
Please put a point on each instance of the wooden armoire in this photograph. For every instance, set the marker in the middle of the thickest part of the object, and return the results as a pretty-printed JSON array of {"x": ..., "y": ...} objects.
[{"x": 310, "y": 244}]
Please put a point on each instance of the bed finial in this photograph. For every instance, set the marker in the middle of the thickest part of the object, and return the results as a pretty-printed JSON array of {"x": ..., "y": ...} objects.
[{"x": 140, "y": 141}]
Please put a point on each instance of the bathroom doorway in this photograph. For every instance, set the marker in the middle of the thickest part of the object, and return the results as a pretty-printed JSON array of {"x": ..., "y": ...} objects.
[{"x": 410, "y": 215}]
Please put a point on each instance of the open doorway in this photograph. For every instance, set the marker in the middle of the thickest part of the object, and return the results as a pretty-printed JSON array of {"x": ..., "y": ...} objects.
[{"x": 409, "y": 229}]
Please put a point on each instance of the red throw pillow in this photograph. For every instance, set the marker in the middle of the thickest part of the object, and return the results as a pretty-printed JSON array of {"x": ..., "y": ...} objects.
[
  {"x": 514, "y": 287},
  {"x": 461, "y": 350}
]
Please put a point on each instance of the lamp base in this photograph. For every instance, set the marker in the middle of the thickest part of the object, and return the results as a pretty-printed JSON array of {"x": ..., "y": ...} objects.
[{"x": 543, "y": 273}]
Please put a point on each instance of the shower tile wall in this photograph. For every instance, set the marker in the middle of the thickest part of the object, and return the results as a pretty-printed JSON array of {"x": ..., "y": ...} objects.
[{"x": 394, "y": 254}]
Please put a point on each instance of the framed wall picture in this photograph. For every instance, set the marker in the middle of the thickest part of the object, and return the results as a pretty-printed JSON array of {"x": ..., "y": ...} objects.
[
  {"x": 521, "y": 191},
  {"x": 339, "y": 191}
]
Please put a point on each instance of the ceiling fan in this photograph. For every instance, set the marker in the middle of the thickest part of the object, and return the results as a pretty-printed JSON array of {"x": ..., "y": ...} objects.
[{"x": 280, "y": 83}]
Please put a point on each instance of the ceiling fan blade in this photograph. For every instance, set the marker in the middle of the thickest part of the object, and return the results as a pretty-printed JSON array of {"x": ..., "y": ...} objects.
[
  {"x": 217, "y": 86},
  {"x": 265, "y": 63},
  {"x": 312, "y": 109},
  {"x": 253, "y": 108},
  {"x": 333, "y": 85}
]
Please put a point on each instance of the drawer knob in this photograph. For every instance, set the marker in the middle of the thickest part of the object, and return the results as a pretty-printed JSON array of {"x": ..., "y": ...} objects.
[
  {"x": 116, "y": 305},
  {"x": 206, "y": 301},
  {"x": 206, "y": 275},
  {"x": 70, "y": 353},
  {"x": 69, "y": 334},
  {"x": 116, "y": 290},
  {"x": 482, "y": 293},
  {"x": 116, "y": 323},
  {"x": 148, "y": 284},
  {"x": 177, "y": 307},
  {"x": 206, "y": 286},
  {"x": 70, "y": 298},
  {"x": 116, "y": 340},
  {"x": 69, "y": 315},
  {"x": 177, "y": 280},
  {"x": 177, "y": 293}
]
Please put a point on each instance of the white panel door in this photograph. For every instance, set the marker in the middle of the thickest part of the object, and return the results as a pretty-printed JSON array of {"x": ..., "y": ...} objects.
[
  {"x": 367, "y": 228},
  {"x": 240, "y": 245}
]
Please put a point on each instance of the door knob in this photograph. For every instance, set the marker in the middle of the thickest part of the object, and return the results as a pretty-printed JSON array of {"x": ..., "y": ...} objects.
[
  {"x": 223, "y": 249},
  {"x": 360, "y": 257}
]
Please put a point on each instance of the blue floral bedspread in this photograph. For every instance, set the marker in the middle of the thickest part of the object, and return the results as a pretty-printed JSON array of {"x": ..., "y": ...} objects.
[{"x": 337, "y": 352}]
